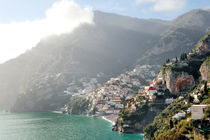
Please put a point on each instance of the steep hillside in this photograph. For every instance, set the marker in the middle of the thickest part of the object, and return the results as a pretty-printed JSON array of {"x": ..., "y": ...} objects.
[
  {"x": 39, "y": 77},
  {"x": 176, "y": 77},
  {"x": 176, "y": 121}
]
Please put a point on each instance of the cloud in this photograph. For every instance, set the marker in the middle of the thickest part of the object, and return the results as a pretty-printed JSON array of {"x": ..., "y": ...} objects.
[
  {"x": 63, "y": 17},
  {"x": 164, "y": 5},
  {"x": 144, "y": 1},
  {"x": 169, "y": 5}
]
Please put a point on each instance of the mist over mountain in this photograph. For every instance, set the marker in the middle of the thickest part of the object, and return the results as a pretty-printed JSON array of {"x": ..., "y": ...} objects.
[
  {"x": 37, "y": 79},
  {"x": 183, "y": 33}
]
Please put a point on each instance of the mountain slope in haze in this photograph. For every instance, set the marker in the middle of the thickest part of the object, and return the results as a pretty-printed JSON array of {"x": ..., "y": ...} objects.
[
  {"x": 179, "y": 38},
  {"x": 36, "y": 80},
  {"x": 39, "y": 77}
]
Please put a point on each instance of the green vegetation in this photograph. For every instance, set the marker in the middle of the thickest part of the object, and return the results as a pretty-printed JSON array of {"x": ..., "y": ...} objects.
[
  {"x": 168, "y": 60},
  {"x": 183, "y": 56},
  {"x": 78, "y": 105},
  {"x": 180, "y": 132},
  {"x": 140, "y": 98},
  {"x": 207, "y": 113},
  {"x": 166, "y": 68},
  {"x": 141, "y": 110},
  {"x": 161, "y": 123},
  {"x": 207, "y": 61},
  {"x": 192, "y": 68},
  {"x": 163, "y": 128},
  {"x": 193, "y": 64},
  {"x": 124, "y": 113},
  {"x": 206, "y": 101}
]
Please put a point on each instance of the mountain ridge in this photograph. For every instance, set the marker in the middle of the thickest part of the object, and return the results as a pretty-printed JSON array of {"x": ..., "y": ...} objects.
[{"x": 88, "y": 51}]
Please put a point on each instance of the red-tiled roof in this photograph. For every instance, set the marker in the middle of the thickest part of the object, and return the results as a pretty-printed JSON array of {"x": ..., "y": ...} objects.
[{"x": 152, "y": 88}]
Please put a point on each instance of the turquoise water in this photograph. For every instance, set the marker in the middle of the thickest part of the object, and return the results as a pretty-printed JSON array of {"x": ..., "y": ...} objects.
[{"x": 53, "y": 126}]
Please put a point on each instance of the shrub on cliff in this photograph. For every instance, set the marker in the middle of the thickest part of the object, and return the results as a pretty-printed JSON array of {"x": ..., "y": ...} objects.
[
  {"x": 171, "y": 135},
  {"x": 124, "y": 113},
  {"x": 78, "y": 105},
  {"x": 161, "y": 123},
  {"x": 207, "y": 113},
  {"x": 180, "y": 132}
]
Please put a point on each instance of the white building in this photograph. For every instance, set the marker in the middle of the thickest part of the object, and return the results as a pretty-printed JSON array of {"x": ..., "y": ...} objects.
[
  {"x": 197, "y": 111},
  {"x": 179, "y": 115},
  {"x": 169, "y": 100}
]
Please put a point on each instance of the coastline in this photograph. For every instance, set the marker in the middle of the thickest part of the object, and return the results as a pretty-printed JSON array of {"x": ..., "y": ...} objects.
[
  {"x": 59, "y": 112},
  {"x": 110, "y": 119}
]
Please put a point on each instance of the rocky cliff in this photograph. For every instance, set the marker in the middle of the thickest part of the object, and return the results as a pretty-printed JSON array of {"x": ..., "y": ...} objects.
[
  {"x": 177, "y": 76},
  {"x": 176, "y": 121},
  {"x": 203, "y": 46},
  {"x": 134, "y": 118},
  {"x": 176, "y": 82},
  {"x": 205, "y": 70}
]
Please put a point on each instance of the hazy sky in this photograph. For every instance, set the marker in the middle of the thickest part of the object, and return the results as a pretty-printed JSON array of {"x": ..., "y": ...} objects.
[{"x": 24, "y": 22}]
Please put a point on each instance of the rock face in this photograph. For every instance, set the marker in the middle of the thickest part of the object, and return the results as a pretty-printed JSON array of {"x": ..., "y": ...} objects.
[
  {"x": 205, "y": 70},
  {"x": 176, "y": 82},
  {"x": 203, "y": 46},
  {"x": 131, "y": 125},
  {"x": 175, "y": 77},
  {"x": 183, "y": 83}
]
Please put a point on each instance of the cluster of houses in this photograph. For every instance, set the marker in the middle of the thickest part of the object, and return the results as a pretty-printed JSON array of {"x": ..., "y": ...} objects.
[
  {"x": 157, "y": 87},
  {"x": 81, "y": 87},
  {"x": 87, "y": 85},
  {"x": 109, "y": 98},
  {"x": 201, "y": 126},
  {"x": 197, "y": 94}
]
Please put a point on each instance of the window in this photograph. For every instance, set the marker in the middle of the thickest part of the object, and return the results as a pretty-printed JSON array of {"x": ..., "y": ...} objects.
[
  {"x": 203, "y": 110},
  {"x": 195, "y": 109}
]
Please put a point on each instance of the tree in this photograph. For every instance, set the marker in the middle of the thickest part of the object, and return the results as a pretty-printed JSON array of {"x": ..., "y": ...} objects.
[
  {"x": 171, "y": 124},
  {"x": 168, "y": 60},
  {"x": 190, "y": 99},
  {"x": 182, "y": 57},
  {"x": 185, "y": 56},
  {"x": 176, "y": 60}
]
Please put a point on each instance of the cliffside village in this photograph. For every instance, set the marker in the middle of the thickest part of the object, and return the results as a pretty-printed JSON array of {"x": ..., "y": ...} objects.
[{"x": 110, "y": 98}]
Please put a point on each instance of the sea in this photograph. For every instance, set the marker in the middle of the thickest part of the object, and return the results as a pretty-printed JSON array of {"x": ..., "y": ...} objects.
[{"x": 55, "y": 126}]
